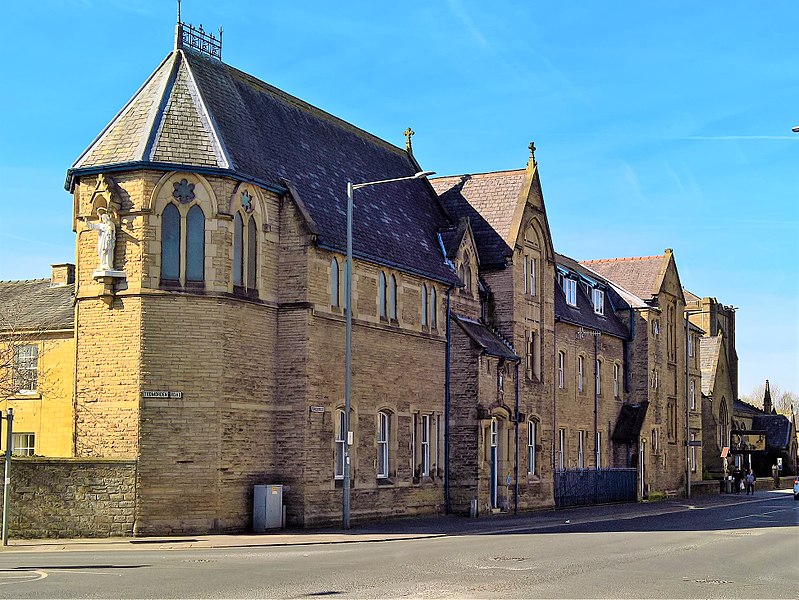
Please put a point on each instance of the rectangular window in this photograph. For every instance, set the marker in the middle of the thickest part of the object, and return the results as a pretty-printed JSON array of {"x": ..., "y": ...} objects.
[
  {"x": 599, "y": 302},
  {"x": 580, "y": 449},
  {"x": 425, "y": 441},
  {"x": 26, "y": 368},
  {"x": 561, "y": 370},
  {"x": 383, "y": 432},
  {"x": 532, "y": 289},
  {"x": 580, "y": 373},
  {"x": 690, "y": 345},
  {"x": 570, "y": 289},
  {"x": 529, "y": 337},
  {"x": 693, "y": 395},
  {"x": 598, "y": 449},
  {"x": 341, "y": 442},
  {"x": 616, "y": 381},
  {"x": 524, "y": 263},
  {"x": 23, "y": 444},
  {"x": 437, "y": 464},
  {"x": 414, "y": 451},
  {"x": 693, "y": 454},
  {"x": 531, "y": 456},
  {"x": 561, "y": 449}
]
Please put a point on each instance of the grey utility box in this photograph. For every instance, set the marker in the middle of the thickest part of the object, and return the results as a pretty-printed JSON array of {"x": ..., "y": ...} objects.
[{"x": 267, "y": 507}]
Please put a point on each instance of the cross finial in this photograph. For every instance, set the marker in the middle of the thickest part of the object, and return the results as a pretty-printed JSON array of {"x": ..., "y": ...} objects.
[
  {"x": 408, "y": 146},
  {"x": 178, "y": 11},
  {"x": 532, "y": 151}
]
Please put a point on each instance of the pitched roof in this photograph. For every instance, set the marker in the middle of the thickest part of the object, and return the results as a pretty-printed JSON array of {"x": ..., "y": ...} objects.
[
  {"x": 777, "y": 428},
  {"x": 709, "y": 353},
  {"x": 583, "y": 314},
  {"x": 640, "y": 275},
  {"x": 33, "y": 304},
  {"x": 485, "y": 337},
  {"x": 490, "y": 201},
  {"x": 197, "y": 113}
]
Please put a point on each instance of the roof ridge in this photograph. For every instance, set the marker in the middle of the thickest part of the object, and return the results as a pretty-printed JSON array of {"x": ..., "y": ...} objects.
[
  {"x": 477, "y": 174},
  {"x": 37, "y": 280},
  {"x": 622, "y": 259}
]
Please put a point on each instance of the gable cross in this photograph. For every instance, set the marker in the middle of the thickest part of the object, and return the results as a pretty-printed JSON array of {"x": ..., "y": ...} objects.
[
  {"x": 532, "y": 152},
  {"x": 408, "y": 146}
]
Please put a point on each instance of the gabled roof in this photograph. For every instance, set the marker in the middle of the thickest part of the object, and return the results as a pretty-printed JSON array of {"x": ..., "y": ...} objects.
[
  {"x": 197, "y": 113},
  {"x": 641, "y": 275},
  {"x": 486, "y": 338},
  {"x": 490, "y": 201},
  {"x": 33, "y": 305},
  {"x": 744, "y": 408}
]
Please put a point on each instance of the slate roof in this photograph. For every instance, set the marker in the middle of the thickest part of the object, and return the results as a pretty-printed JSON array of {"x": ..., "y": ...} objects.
[
  {"x": 641, "y": 275},
  {"x": 33, "y": 304},
  {"x": 628, "y": 425},
  {"x": 583, "y": 314},
  {"x": 489, "y": 200},
  {"x": 197, "y": 113},
  {"x": 485, "y": 337},
  {"x": 777, "y": 428},
  {"x": 709, "y": 349},
  {"x": 739, "y": 406},
  {"x": 690, "y": 296}
]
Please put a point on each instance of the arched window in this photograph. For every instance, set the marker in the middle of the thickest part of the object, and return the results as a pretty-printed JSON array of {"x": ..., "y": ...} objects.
[
  {"x": 238, "y": 251},
  {"x": 468, "y": 275},
  {"x": 392, "y": 298},
  {"x": 341, "y": 441},
  {"x": 170, "y": 244},
  {"x": 723, "y": 419},
  {"x": 532, "y": 437},
  {"x": 245, "y": 253},
  {"x": 335, "y": 298},
  {"x": 195, "y": 244},
  {"x": 598, "y": 377},
  {"x": 433, "y": 308},
  {"x": 383, "y": 439},
  {"x": 382, "y": 294},
  {"x": 424, "y": 305},
  {"x": 252, "y": 254}
]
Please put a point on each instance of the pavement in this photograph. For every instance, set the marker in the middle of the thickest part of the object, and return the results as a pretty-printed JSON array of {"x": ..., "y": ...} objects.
[{"x": 398, "y": 529}]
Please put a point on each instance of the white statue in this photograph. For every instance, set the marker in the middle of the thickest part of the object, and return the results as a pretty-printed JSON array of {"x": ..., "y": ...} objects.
[{"x": 106, "y": 239}]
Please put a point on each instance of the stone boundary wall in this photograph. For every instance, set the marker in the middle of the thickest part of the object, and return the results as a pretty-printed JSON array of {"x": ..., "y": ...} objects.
[{"x": 71, "y": 497}]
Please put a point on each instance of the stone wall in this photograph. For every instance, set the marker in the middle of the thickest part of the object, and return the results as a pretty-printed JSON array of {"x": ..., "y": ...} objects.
[{"x": 65, "y": 498}]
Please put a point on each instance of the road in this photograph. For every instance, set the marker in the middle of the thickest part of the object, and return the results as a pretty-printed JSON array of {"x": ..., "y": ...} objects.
[{"x": 744, "y": 548}]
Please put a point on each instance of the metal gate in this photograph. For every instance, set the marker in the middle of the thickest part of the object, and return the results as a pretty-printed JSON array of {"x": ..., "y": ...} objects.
[{"x": 584, "y": 487}]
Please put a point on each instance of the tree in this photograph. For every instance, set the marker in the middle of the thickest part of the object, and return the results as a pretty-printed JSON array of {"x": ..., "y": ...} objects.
[{"x": 784, "y": 402}]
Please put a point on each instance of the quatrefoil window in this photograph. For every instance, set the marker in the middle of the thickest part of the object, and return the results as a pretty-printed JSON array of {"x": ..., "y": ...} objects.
[{"x": 183, "y": 192}]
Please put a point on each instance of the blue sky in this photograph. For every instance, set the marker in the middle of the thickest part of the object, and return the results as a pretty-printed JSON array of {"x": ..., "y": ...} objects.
[{"x": 658, "y": 125}]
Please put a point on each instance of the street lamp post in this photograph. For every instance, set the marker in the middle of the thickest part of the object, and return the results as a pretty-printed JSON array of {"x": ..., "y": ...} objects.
[{"x": 351, "y": 187}]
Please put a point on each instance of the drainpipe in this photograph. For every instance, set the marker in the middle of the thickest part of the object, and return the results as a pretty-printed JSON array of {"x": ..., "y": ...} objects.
[
  {"x": 554, "y": 397},
  {"x": 596, "y": 401},
  {"x": 447, "y": 360},
  {"x": 516, "y": 458}
]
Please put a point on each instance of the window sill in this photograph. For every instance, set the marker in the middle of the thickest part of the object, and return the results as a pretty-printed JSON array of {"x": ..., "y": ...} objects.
[
  {"x": 245, "y": 292},
  {"x": 384, "y": 481},
  {"x": 32, "y": 395}
]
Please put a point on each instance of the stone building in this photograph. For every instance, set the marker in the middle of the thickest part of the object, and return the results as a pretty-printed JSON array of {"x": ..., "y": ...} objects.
[
  {"x": 37, "y": 362},
  {"x": 208, "y": 346},
  {"x": 719, "y": 366},
  {"x": 664, "y": 372}
]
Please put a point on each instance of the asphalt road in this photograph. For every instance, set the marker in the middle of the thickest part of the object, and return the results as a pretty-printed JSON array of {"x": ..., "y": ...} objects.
[{"x": 745, "y": 549}]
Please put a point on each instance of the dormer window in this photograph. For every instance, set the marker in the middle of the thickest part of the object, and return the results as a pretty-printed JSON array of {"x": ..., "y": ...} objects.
[
  {"x": 599, "y": 301},
  {"x": 570, "y": 289}
]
